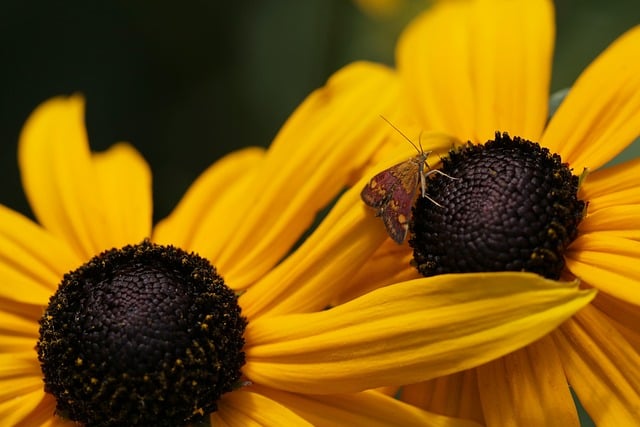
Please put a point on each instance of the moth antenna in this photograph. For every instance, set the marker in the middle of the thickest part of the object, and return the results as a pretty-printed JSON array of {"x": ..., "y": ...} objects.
[
  {"x": 420, "y": 142},
  {"x": 419, "y": 150}
]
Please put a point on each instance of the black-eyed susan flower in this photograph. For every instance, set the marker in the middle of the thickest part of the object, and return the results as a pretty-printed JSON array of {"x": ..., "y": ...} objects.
[
  {"x": 211, "y": 315},
  {"x": 531, "y": 194}
]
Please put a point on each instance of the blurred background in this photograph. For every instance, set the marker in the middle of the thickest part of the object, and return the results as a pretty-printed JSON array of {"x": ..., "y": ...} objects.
[{"x": 187, "y": 84}]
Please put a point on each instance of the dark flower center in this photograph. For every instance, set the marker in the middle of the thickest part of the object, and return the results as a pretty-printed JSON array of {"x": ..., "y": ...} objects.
[
  {"x": 513, "y": 207},
  {"x": 146, "y": 335}
]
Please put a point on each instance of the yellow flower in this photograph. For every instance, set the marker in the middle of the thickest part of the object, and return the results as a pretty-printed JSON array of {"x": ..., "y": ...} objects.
[
  {"x": 140, "y": 328},
  {"x": 474, "y": 68}
]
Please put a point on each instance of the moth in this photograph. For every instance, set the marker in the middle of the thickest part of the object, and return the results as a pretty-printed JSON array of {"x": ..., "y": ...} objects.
[{"x": 392, "y": 192}]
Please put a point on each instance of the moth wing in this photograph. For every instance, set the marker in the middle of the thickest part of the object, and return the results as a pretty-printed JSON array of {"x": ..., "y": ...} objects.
[
  {"x": 396, "y": 214},
  {"x": 378, "y": 192}
]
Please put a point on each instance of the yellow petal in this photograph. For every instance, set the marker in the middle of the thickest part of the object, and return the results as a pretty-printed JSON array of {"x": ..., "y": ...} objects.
[
  {"x": 32, "y": 260},
  {"x": 56, "y": 422},
  {"x": 389, "y": 264},
  {"x": 31, "y": 313},
  {"x": 601, "y": 182},
  {"x": 207, "y": 216},
  {"x": 18, "y": 286},
  {"x": 63, "y": 184},
  {"x": 124, "y": 183},
  {"x": 617, "y": 185},
  {"x": 248, "y": 409},
  {"x": 17, "y": 325},
  {"x": 24, "y": 364},
  {"x": 607, "y": 262},
  {"x": 601, "y": 114},
  {"x": 615, "y": 198},
  {"x": 620, "y": 220},
  {"x": 527, "y": 387},
  {"x": 56, "y": 174},
  {"x": 388, "y": 390},
  {"x": 14, "y": 344},
  {"x": 433, "y": 56},
  {"x": 327, "y": 140},
  {"x": 602, "y": 368},
  {"x": 408, "y": 332},
  {"x": 469, "y": 78},
  {"x": 368, "y": 408},
  {"x": 28, "y": 409},
  {"x": 310, "y": 278},
  {"x": 13, "y": 387},
  {"x": 625, "y": 317},
  {"x": 512, "y": 66},
  {"x": 43, "y": 415},
  {"x": 455, "y": 395}
]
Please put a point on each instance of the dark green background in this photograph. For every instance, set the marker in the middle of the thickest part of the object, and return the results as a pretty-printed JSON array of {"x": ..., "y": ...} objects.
[{"x": 188, "y": 82}]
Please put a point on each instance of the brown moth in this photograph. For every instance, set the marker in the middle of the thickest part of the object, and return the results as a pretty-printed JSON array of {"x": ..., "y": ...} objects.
[{"x": 392, "y": 192}]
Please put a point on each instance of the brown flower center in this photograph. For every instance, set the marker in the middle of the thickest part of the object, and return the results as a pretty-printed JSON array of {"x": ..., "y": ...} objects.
[
  {"x": 513, "y": 207},
  {"x": 143, "y": 335}
]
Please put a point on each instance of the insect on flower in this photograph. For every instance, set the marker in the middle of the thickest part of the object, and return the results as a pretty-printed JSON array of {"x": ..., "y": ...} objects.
[{"x": 393, "y": 191}]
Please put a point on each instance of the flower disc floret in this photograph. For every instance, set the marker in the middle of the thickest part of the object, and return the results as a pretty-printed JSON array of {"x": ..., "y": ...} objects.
[
  {"x": 142, "y": 335},
  {"x": 506, "y": 205}
]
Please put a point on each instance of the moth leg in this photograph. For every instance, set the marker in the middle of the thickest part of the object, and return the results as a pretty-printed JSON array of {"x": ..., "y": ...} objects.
[
  {"x": 432, "y": 171},
  {"x": 432, "y": 201}
]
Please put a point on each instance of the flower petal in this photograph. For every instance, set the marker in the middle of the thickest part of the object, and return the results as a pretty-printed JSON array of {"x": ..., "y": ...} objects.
[
  {"x": 604, "y": 181},
  {"x": 433, "y": 56},
  {"x": 408, "y": 332},
  {"x": 30, "y": 313},
  {"x": 389, "y": 264},
  {"x": 454, "y": 395},
  {"x": 56, "y": 422},
  {"x": 23, "y": 364},
  {"x": 54, "y": 161},
  {"x": 12, "y": 387},
  {"x": 601, "y": 114},
  {"x": 619, "y": 220},
  {"x": 26, "y": 410},
  {"x": 15, "y": 325},
  {"x": 625, "y": 316},
  {"x": 616, "y": 185},
  {"x": 512, "y": 66},
  {"x": 369, "y": 408},
  {"x": 309, "y": 279},
  {"x": 469, "y": 78},
  {"x": 14, "y": 344},
  {"x": 207, "y": 216},
  {"x": 43, "y": 415},
  {"x": 327, "y": 140},
  {"x": 124, "y": 183},
  {"x": 607, "y": 262},
  {"x": 32, "y": 260},
  {"x": 602, "y": 368},
  {"x": 64, "y": 185},
  {"x": 527, "y": 387},
  {"x": 23, "y": 401},
  {"x": 246, "y": 409}
]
